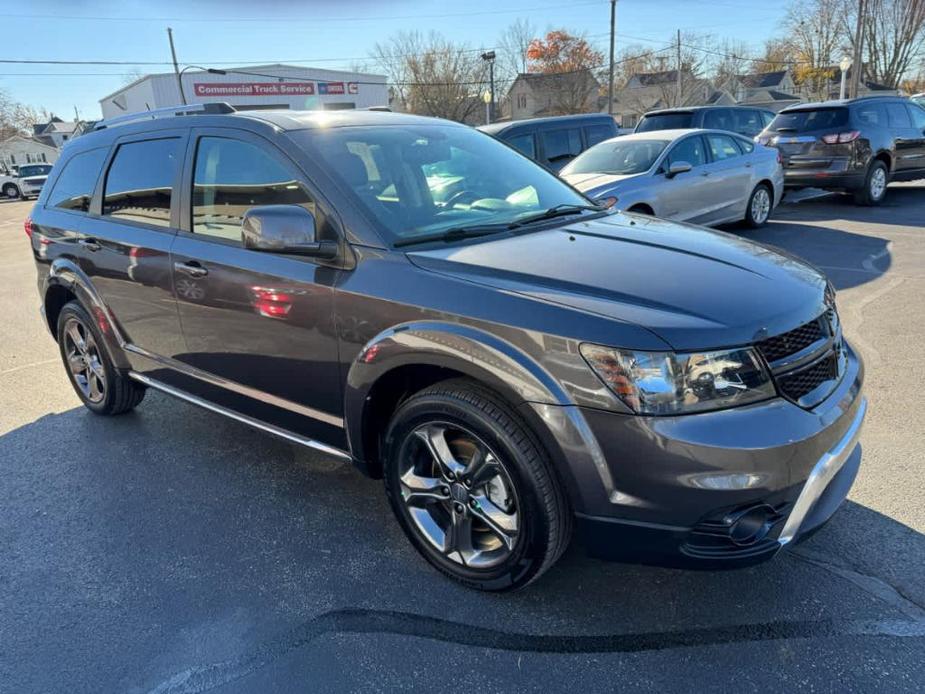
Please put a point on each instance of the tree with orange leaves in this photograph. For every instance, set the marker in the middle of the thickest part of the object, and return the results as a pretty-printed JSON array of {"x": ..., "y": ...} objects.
[{"x": 561, "y": 51}]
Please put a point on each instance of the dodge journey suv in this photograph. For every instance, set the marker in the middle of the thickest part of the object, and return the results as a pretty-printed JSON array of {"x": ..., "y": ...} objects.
[{"x": 414, "y": 296}]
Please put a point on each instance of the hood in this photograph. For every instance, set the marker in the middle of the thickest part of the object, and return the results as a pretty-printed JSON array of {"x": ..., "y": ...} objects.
[
  {"x": 695, "y": 288},
  {"x": 590, "y": 181}
]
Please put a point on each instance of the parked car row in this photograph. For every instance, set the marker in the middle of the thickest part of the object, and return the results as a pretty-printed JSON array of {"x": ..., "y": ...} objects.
[{"x": 24, "y": 181}]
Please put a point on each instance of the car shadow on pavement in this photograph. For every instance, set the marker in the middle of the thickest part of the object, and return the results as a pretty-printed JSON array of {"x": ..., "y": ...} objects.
[{"x": 191, "y": 550}]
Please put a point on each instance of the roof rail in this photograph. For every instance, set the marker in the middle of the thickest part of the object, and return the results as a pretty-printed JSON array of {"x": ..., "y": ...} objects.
[{"x": 215, "y": 107}]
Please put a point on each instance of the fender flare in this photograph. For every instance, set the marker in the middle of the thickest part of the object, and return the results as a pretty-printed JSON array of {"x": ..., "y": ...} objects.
[{"x": 65, "y": 273}]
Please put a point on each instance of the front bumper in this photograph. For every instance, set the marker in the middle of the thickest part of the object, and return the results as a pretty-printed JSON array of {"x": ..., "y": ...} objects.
[{"x": 681, "y": 489}]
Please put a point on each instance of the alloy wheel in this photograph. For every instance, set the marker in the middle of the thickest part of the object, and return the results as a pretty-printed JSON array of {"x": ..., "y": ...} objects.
[
  {"x": 877, "y": 183},
  {"x": 83, "y": 360},
  {"x": 458, "y": 495},
  {"x": 761, "y": 205}
]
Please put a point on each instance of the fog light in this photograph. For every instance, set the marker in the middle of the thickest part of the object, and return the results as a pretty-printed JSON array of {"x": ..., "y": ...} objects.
[{"x": 751, "y": 525}]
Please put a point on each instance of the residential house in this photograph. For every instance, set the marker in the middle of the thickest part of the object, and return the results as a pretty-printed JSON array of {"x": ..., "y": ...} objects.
[
  {"x": 648, "y": 91},
  {"x": 771, "y": 90},
  {"x": 21, "y": 149},
  {"x": 533, "y": 95},
  {"x": 55, "y": 132}
]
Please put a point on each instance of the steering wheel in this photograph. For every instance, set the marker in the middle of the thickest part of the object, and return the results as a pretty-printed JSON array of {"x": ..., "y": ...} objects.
[{"x": 458, "y": 197}]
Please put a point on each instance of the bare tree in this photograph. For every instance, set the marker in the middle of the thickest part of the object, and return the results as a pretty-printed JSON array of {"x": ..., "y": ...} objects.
[
  {"x": 514, "y": 44},
  {"x": 432, "y": 75},
  {"x": 17, "y": 118},
  {"x": 732, "y": 62},
  {"x": 894, "y": 36},
  {"x": 815, "y": 34},
  {"x": 778, "y": 55}
]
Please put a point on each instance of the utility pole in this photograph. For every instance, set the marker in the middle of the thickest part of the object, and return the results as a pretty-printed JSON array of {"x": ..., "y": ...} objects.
[
  {"x": 489, "y": 57},
  {"x": 679, "y": 69},
  {"x": 176, "y": 68},
  {"x": 858, "y": 67},
  {"x": 613, "y": 31}
]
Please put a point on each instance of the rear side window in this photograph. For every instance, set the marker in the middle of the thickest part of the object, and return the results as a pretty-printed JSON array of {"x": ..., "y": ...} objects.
[
  {"x": 722, "y": 147},
  {"x": 559, "y": 145},
  {"x": 898, "y": 116},
  {"x": 719, "y": 119},
  {"x": 140, "y": 181},
  {"x": 664, "y": 121},
  {"x": 746, "y": 122},
  {"x": 806, "y": 121},
  {"x": 74, "y": 187},
  {"x": 871, "y": 114},
  {"x": 598, "y": 133},
  {"x": 523, "y": 144},
  {"x": 232, "y": 176}
]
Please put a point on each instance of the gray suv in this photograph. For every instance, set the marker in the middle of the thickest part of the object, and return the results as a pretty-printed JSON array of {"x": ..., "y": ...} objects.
[{"x": 415, "y": 297}]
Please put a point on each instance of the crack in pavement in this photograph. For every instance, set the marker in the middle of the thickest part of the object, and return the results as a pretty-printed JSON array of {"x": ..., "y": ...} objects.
[{"x": 201, "y": 678}]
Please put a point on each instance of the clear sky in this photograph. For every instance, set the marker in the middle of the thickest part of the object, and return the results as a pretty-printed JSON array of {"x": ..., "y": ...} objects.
[{"x": 318, "y": 33}]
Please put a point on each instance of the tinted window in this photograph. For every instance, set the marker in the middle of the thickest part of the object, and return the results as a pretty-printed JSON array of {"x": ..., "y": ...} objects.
[
  {"x": 35, "y": 170},
  {"x": 815, "y": 119},
  {"x": 746, "y": 122},
  {"x": 689, "y": 150},
  {"x": 622, "y": 156},
  {"x": 74, "y": 186},
  {"x": 664, "y": 121},
  {"x": 747, "y": 146},
  {"x": 598, "y": 133},
  {"x": 918, "y": 117},
  {"x": 766, "y": 118},
  {"x": 870, "y": 114},
  {"x": 233, "y": 176},
  {"x": 140, "y": 179},
  {"x": 722, "y": 147},
  {"x": 898, "y": 116},
  {"x": 719, "y": 119},
  {"x": 559, "y": 145},
  {"x": 524, "y": 144}
]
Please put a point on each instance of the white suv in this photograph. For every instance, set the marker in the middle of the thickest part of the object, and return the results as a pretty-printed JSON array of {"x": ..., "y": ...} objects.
[{"x": 25, "y": 181}]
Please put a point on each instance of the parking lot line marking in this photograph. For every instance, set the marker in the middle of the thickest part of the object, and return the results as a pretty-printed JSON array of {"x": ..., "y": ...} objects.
[{"x": 28, "y": 366}]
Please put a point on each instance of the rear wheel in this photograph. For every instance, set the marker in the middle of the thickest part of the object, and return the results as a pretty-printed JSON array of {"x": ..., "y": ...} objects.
[
  {"x": 759, "y": 206},
  {"x": 10, "y": 191},
  {"x": 875, "y": 183},
  {"x": 472, "y": 489},
  {"x": 102, "y": 388}
]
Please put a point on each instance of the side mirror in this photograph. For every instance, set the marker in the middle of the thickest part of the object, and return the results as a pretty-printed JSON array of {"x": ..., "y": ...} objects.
[
  {"x": 284, "y": 229},
  {"x": 678, "y": 167}
]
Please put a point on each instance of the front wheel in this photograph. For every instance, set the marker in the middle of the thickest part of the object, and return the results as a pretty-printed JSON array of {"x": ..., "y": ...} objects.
[
  {"x": 874, "y": 189},
  {"x": 759, "y": 206},
  {"x": 10, "y": 191},
  {"x": 472, "y": 488}
]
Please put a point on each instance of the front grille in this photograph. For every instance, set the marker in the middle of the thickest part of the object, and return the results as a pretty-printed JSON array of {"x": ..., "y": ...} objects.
[
  {"x": 781, "y": 346},
  {"x": 799, "y": 384}
]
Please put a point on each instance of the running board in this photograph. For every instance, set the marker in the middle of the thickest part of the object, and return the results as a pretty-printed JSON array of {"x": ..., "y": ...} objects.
[{"x": 243, "y": 418}]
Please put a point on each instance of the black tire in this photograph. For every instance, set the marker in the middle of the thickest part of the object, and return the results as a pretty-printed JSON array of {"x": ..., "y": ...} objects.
[
  {"x": 867, "y": 195},
  {"x": 544, "y": 517},
  {"x": 11, "y": 191},
  {"x": 754, "y": 218},
  {"x": 120, "y": 394}
]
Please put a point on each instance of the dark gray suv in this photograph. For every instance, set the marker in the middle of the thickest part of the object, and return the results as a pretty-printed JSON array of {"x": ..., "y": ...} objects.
[{"x": 415, "y": 297}]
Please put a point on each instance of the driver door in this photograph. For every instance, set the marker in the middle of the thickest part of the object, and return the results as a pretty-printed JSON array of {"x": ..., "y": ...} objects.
[
  {"x": 686, "y": 197},
  {"x": 258, "y": 326}
]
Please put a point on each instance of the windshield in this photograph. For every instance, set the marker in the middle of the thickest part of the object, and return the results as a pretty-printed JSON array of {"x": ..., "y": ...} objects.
[
  {"x": 35, "y": 170},
  {"x": 618, "y": 157},
  {"x": 664, "y": 121},
  {"x": 805, "y": 121},
  {"x": 418, "y": 180}
]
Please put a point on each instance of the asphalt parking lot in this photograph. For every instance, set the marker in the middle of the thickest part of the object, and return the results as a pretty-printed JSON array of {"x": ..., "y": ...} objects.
[{"x": 172, "y": 550}]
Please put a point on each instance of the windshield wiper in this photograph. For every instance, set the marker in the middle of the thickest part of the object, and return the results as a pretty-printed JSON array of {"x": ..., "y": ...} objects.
[
  {"x": 553, "y": 212},
  {"x": 454, "y": 234}
]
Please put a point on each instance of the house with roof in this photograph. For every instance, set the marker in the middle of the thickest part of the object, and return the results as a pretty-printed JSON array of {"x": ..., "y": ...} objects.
[
  {"x": 773, "y": 90},
  {"x": 55, "y": 132},
  {"x": 552, "y": 94},
  {"x": 647, "y": 91},
  {"x": 22, "y": 149}
]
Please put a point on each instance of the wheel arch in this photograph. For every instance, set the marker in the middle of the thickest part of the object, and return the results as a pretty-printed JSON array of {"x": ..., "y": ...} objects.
[
  {"x": 642, "y": 208},
  {"x": 886, "y": 157}
]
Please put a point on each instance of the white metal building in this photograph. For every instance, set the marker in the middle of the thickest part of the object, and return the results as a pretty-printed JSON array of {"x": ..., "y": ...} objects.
[{"x": 252, "y": 87}]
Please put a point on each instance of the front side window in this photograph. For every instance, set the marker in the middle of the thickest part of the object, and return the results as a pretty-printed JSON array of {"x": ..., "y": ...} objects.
[
  {"x": 620, "y": 156},
  {"x": 74, "y": 186},
  {"x": 434, "y": 177},
  {"x": 140, "y": 181},
  {"x": 722, "y": 147},
  {"x": 232, "y": 176},
  {"x": 747, "y": 121},
  {"x": 719, "y": 119},
  {"x": 561, "y": 145},
  {"x": 918, "y": 117},
  {"x": 689, "y": 150}
]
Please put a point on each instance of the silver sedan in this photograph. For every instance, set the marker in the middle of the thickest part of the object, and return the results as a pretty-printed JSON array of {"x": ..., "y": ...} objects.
[{"x": 699, "y": 176}]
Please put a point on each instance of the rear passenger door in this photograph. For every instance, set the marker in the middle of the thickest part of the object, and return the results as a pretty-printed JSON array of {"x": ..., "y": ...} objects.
[
  {"x": 560, "y": 146},
  {"x": 917, "y": 153},
  {"x": 259, "y": 326},
  {"x": 908, "y": 140},
  {"x": 125, "y": 247}
]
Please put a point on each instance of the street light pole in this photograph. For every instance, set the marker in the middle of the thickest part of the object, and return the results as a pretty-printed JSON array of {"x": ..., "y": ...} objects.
[
  {"x": 210, "y": 70},
  {"x": 613, "y": 28},
  {"x": 489, "y": 57},
  {"x": 843, "y": 66}
]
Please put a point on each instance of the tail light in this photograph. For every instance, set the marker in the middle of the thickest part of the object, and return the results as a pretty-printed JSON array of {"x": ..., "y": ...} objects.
[
  {"x": 29, "y": 226},
  {"x": 841, "y": 138}
]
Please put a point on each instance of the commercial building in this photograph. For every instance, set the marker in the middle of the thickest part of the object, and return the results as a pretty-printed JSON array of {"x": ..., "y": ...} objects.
[{"x": 252, "y": 87}]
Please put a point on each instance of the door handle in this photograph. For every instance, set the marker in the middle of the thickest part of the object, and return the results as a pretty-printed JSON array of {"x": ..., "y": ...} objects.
[
  {"x": 90, "y": 244},
  {"x": 192, "y": 268},
  {"x": 704, "y": 173}
]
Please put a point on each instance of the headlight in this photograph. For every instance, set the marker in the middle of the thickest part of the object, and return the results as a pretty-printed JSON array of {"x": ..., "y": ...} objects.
[{"x": 665, "y": 383}]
